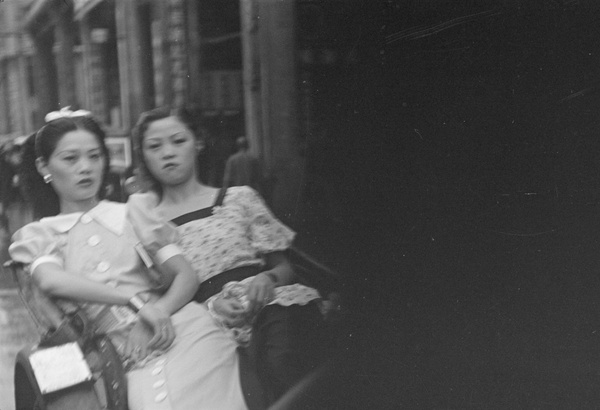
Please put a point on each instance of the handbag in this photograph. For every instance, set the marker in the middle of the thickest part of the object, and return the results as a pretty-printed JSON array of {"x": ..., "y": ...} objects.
[{"x": 71, "y": 338}]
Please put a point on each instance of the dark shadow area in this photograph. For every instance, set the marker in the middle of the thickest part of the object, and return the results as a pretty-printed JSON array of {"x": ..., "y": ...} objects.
[{"x": 458, "y": 166}]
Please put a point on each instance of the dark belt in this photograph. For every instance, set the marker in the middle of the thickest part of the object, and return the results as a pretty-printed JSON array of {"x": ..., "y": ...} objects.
[{"x": 214, "y": 285}]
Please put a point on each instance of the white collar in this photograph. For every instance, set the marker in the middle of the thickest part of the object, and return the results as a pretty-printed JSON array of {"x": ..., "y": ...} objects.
[{"x": 111, "y": 215}]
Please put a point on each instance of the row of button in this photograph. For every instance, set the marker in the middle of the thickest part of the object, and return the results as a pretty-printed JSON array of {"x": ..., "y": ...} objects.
[
  {"x": 157, "y": 371},
  {"x": 159, "y": 366},
  {"x": 92, "y": 241}
]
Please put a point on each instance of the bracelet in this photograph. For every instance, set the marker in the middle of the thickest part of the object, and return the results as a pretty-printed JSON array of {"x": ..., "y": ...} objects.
[{"x": 136, "y": 303}]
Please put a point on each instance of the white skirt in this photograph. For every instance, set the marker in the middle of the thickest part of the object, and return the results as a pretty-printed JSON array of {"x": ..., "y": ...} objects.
[{"x": 199, "y": 371}]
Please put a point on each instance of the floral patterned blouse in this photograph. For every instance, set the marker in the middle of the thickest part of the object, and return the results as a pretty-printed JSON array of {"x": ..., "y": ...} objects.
[{"x": 235, "y": 234}]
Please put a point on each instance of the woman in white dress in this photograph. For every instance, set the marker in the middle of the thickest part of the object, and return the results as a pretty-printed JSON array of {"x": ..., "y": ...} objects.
[{"x": 175, "y": 355}]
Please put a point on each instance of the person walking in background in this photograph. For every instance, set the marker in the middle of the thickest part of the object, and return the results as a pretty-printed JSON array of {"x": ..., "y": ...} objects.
[
  {"x": 9, "y": 162},
  {"x": 242, "y": 168},
  {"x": 14, "y": 211},
  {"x": 13, "y": 202}
]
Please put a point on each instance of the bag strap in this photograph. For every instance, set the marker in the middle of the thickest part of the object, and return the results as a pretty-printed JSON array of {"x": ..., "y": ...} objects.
[
  {"x": 221, "y": 196},
  {"x": 112, "y": 371}
]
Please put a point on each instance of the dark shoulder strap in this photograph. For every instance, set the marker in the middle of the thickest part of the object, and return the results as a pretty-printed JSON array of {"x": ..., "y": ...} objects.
[{"x": 221, "y": 196}]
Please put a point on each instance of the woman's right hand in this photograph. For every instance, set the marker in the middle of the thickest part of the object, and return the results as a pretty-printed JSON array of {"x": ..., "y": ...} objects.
[{"x": 160, "y": 322}]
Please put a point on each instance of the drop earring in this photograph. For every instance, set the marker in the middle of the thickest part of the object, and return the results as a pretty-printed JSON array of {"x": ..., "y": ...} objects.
[{"x": 48, "y": 178}]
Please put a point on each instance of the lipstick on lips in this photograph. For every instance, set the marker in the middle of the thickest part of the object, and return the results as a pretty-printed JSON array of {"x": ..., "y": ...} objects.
[{"x": 85, "y": 181}]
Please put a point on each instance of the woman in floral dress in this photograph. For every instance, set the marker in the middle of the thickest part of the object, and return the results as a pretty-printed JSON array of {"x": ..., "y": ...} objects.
[{"x": 237, "y": 248}]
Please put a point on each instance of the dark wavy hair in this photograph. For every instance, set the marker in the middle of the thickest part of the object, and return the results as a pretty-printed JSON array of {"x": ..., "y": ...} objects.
[
  {"x": 189, "y": 116},
  {"x": 42, "y": 144}
]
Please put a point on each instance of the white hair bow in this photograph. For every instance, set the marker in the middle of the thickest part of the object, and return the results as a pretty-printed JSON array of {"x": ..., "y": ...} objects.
[{"x": 66, "y": 113}]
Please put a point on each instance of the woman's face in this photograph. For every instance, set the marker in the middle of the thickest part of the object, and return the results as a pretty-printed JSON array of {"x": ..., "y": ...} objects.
[
  {"x": 77, "y": 168},
  {"x": 170, "y": 151}
]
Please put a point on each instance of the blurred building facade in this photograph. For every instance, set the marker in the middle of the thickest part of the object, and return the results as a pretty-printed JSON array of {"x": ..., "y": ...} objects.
[
  {"x": 16, "y": 63},
  {"x": 246, "y": 65},
  {"x": 120, "y": 58}
]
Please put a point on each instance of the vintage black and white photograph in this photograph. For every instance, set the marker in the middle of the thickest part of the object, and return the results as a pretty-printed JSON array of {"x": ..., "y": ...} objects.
[{"x": 299, "y": 204}]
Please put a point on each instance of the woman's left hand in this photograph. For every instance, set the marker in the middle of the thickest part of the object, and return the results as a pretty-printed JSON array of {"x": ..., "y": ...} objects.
[
  {"x": 260, "y": 292},
  {"x": 138, "y": 340}
]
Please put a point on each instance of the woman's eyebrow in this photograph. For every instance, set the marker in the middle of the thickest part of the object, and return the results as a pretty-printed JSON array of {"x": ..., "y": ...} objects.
[
  {"x": 152, "y": 139},
  {"x": 67, "y": 151},
  {"x": 159, "y": 139},
  {"x": 76, "y": 150}
]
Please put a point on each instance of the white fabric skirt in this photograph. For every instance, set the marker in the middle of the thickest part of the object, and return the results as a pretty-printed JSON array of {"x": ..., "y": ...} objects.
[{"x": 199, "y": 371}]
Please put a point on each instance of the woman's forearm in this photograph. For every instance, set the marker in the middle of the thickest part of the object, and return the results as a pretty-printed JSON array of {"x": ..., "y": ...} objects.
[
  {"x": 54, "y": 281},
  {"x": 183, "y": 288}
]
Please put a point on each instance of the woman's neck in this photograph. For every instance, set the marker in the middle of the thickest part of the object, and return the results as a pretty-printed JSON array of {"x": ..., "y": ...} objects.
[
  {"x": 182, "y": 193},
  {"x": 69, "y": 207},
  {"x": 184, "y": 198}
]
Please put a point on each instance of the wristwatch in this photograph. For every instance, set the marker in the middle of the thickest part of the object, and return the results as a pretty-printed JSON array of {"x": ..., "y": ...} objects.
[{"x": 137, "y": 302}]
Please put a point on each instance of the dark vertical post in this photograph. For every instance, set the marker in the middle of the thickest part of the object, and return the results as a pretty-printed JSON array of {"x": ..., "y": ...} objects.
[
  {"x": 177, "y": 52},
  {"x": 4, "y": 102},
  {"x": 251, "y": 75},
  {"x": 121, "y": 14},
  {"x": 45, "y": 82},
  {"x": 279, "y": 104},
  {"x": 194, "y": 55},
  {"x": 160, "y": 47},
  {"x": 132, "y": 74},
  {"x": 86, "y": 44},
  {"x": 64, "y": 31}
]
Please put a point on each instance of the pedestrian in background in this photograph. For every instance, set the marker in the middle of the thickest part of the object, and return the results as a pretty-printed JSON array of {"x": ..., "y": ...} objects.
[
  {"x": 4, "y": 241},
  {"x": 13, "y": 204},
  {"x": 242, "y": 168},
  {"x": 9, "y": 162}
]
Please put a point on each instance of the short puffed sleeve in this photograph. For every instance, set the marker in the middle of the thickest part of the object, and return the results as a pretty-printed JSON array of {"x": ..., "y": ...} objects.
[
  {"x": 267, "y": 233},
  {"x": 157, "y": 236},
  {"x": 35, "y": 244}
]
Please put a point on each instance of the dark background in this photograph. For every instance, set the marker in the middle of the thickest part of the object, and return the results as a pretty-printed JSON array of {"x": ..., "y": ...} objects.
[{"x": 461, "y": 165}]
